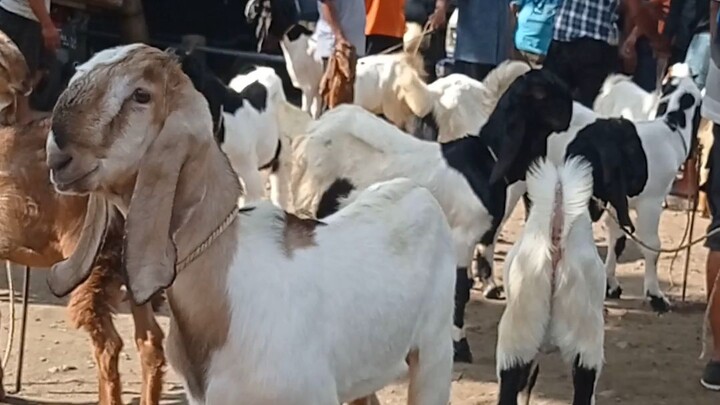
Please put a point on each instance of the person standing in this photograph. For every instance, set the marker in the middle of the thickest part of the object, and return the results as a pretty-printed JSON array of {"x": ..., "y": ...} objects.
[
  {"x": 534, "y": 29},
  {"x": 28, "y": 24},
  {"x": 711, "y": 111},
  {"x": 584, "y": 49},
  {"x": 385, "y": 25},
  {"x": 340, "y": 22},
  {"x": 483, "y": 36}
]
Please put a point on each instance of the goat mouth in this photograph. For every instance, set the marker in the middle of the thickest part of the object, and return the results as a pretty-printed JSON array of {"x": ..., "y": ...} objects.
[{"x": 67, "y": 185}]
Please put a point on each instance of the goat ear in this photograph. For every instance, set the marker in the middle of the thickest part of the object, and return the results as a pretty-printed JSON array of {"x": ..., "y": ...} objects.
[
  {"x": 614, "y": 181},
  {"x": 154, "y": 213},
  {"x": 636, "y": 171},
  {"x": 69, "y": 273}
]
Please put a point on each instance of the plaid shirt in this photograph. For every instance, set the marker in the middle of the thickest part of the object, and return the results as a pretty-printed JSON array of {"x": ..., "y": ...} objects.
[{"x": 595, "y": 19}]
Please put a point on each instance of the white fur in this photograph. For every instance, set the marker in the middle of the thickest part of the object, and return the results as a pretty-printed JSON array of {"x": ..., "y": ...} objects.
[
  {"x": 313, "y": 318},
  {"x": 621, "y": 97},
  {"x": 349, "y": 142},
  {"x": 461, "y": 105},
  {"x": 562, "y": 306},
  {"x": 331, "y": 322},
  {"x": 305, "y": 70},
  {"x": 666, "y": 151},
  {"x": 252, "y": 136}
]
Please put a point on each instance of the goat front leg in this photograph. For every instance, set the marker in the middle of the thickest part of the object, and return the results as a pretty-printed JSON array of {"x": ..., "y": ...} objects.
[
  {"x": 149, "y": 341},
  {"x": 648, "y": 223},
  {"x": 90, "y": 310},
  {"x": 484, "y": 261},
  {"x": 616, "y": 242},
  {"x": 463, "y": 285}
]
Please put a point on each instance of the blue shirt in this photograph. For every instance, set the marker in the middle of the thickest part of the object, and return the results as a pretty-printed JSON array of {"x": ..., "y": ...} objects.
[
  {"x": 596, "y": 19},
  {"x": 535, "y": 21},
  {"x": 483, "y": 31},
  {"x": 351, "y": 16}
]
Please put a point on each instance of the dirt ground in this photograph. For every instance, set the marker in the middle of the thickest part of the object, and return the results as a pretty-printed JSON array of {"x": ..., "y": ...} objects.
[{"x": 650, "y": 359}]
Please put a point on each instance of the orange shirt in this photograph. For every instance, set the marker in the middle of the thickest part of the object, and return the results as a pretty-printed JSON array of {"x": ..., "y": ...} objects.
[{"x": 385, "y": 17}]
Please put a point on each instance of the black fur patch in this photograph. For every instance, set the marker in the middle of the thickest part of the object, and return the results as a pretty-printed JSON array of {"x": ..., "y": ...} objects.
[
  {"x": 425, "y": 128},
  {"x": 620, "y": 170},
  {"x": 584, "y": 383},
  {"x": 274, "y": 163},
  {"x": 620, "y": 246},
  {"x": 255, "y": 93},
  {"x": 296, "y": 31},
  {"x": 470, "y": 156},
  {"x": 330, "y": 200}
]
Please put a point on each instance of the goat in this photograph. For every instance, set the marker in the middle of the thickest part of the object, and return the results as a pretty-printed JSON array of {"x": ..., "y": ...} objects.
[
  {"x": 555, "y": 285},
  {"x": 621, "y": 97},
  {"x": 15, "y": 81},
  {"x": 455, "y": 105},
  {"x": 386, "y": 313},
  {"x": 349, "y": 149},
  {"x": 647, "y": 172},
  {"x": 245, "y": 123},
  {"x": 41, "y": 228}
]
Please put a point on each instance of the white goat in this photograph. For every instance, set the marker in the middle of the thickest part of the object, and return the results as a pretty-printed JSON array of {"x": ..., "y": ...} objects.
[
  {"x": 455, "y": 105},
  {"x": 353, "y": 301},
  {"x": 303, "y": 66},
  {"x": 349, "y": 148},
  {"x": 650, "y": 153},
  {"x": 555, "y": 284},
  {"x": 245, "y": 122},
  {"x": 621, "y": 97}
]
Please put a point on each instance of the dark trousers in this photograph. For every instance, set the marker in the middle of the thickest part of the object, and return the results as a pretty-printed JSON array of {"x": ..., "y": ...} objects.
[
  {"x": 645, "y": 74},
  {"x": 477, "y": 71},
  {"x": 375, "y": 44},
  {"x": 27, "y": 35},
  {"x": 712, "y": 189},
  {"x": 583, "y": 64}
]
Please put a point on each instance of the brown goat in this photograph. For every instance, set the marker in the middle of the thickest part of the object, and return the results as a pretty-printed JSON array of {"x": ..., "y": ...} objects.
[{"x": 39, "y": 227}]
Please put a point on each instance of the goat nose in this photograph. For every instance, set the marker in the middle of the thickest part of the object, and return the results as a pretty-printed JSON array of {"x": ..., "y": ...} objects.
[{"x": 59, "y": 160}]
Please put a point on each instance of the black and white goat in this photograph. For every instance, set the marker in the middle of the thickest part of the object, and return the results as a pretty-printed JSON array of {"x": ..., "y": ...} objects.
[
  {"x": 641, "y": 165},
  {"x": 246, "y": 124},
  {"x": 348, "y": 149},
  {"x": 555, "y": 284}
]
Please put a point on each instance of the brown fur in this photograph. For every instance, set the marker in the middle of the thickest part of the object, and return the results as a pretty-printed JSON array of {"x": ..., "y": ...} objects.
[
  {"x": 299, "y": 233},
  {"x": 171, "y": 176},
  {"x": 15, "y": 81},
  {"x": 39, "y": 227},
  {"x": 338, "y": 83}
]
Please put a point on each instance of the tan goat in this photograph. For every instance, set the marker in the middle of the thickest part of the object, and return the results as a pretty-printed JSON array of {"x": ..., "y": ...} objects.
[{"x": 39, "y": 227}]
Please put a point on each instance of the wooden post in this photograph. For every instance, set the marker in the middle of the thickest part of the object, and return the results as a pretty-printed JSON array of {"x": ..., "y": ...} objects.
[{"x": 23, "y": 328}]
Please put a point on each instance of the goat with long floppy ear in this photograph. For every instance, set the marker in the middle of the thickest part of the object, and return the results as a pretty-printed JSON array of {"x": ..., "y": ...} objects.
[
  {"x": 150, "y": 253},
  {"x": 529, "y": 113},
  {"x": 180, "y": 122},
  {"x": 620, "y": 168}
]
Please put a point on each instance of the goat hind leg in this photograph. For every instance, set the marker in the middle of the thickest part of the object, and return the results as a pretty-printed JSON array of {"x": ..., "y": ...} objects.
[
  {"x": 430, "y": 373},
  {"x": 149, "y": 341},
  {"x": 463, "y": 285},
  {"x": 615, "y": 247},
  {"x": 648, "y": 223}
]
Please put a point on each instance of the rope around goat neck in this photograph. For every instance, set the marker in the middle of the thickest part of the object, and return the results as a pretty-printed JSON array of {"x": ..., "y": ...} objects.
[{"x": 182, "y": 264}]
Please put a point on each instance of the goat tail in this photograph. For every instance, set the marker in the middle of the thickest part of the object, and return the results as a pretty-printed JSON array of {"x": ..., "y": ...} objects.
[{"x": 564, "y": 190}]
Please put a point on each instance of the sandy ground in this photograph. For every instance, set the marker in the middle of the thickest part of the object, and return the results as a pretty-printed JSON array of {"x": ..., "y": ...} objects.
[{"x": 650, "y": 359}]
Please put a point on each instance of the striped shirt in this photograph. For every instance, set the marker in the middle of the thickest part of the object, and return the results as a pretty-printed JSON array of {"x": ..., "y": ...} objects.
[{"x": 595, "y": 19}]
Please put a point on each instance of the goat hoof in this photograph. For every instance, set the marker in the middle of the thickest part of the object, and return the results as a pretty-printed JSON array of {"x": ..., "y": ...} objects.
[
  {"x": 493, "y": 292},
  {"x": 461, "y": 351},
  {"x": 659, "y": 304},
  {"x": 614, "y": 293}
]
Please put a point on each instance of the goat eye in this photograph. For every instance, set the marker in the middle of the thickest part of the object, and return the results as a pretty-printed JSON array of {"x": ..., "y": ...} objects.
[{"x": 141, "y": 96}]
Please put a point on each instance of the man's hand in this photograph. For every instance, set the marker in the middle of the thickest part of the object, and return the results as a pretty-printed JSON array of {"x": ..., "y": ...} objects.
[
  {"x": 437, "y": 18},
  {"x": 51, "y": 37}
]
